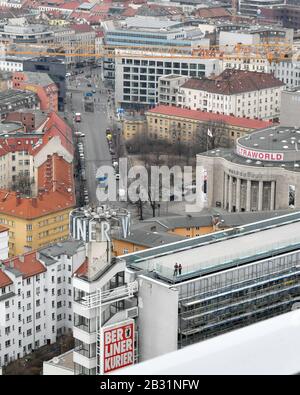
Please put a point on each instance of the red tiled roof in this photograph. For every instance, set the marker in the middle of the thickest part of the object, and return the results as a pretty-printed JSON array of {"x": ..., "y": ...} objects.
[
  {"x": 214, "y": 12},
  {"x": 55, "y": 174},
  {"x": 4, "y": 280},
  {"x": 72, "y": 5},
  {"x": 30, "y": 267},
  {"x": 81, "y": 27},
  {"x": 232, "y": 82},
  {"x": 204, "y": 116},
  {"x": 28, "y": 208},
  {"x": 83, "y": 269},
  {"x": 54, "y": 177}
]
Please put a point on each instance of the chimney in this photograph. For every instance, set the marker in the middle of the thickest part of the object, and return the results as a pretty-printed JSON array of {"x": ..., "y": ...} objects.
[
  {"x": 18, "y": 198},
  {"x": 37, "y": 255},
  {"x": 34, "y": 202},
  {"x": 11, "y": 264},
  {"x": 40, "y": 196},
  {"x": 21, "y": 258}
]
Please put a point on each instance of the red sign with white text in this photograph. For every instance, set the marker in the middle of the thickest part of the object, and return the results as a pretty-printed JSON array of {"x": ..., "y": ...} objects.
[{"x": 118, "y": 346}]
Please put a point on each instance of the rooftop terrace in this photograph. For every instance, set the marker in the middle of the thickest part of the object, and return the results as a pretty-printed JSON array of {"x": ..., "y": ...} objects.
[{"x": 218, "y": 251}]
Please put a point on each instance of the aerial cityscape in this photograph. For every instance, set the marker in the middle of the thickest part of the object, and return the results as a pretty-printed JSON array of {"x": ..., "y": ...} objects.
[{"x": 149, "y": 188}]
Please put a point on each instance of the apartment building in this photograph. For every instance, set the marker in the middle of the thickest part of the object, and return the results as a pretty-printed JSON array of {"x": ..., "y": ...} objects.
[
  {"x": 36, "y": 297},
  {"x": 76, "y": 39},
  {"x": 38, "y": 216},
  {"x": 39, "y": 83},
  {"x": 190, "y": 126},
  {"x": 287, "y": 71},
  {"x": 234, "y": 92},
  {"x": 255, "y": 35},
  {"x": 168, "y": 87},
  {"x": 137, "y": 74}
]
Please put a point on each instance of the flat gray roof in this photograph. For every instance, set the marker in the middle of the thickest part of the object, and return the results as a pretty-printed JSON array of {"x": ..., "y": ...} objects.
[
  {"x": 217, "y": 251},
  {"x": 273, "y": 139}
]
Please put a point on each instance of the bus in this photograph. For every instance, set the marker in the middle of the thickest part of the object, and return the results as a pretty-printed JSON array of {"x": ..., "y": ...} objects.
[{"x": 78, "y": 117}]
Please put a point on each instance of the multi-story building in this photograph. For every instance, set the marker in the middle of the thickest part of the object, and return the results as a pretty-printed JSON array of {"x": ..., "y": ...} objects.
[
  {"x": 287, "y": 71},
  {"x": 165, "y": 310},
  {"x": 234, "y": 92},
  {"x": 288, "y": 15},
  {"x": 137, "y": 74},
  {"x": 13, "y": 100},
  {"x": 36, "y": 302},
  {"x": 41, "y": 84},
  {"x": 260, "y": 173},
  {"x": 289, "y": 111},
  {"x": 149, "y": 32},
  {"x": 255, "y": 36},
  {"x": 76, "y": 40},
  {"x": 189, "y": 126},
  {"x": 56, "y": 68},
  {"x": 3, "y": 242},
  {"x": 38, "y": 214},
  {"x": 21, "y": 31},
  {"x": 254, "y": 7},
  {"x": 168, "y": 87}
]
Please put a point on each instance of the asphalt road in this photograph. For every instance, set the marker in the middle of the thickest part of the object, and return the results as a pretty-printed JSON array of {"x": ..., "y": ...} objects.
[{"x": 93, "y": 125}]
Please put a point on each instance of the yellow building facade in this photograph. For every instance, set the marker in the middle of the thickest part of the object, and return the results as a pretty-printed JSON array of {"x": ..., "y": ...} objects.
[{"x": 30, "y": 234}]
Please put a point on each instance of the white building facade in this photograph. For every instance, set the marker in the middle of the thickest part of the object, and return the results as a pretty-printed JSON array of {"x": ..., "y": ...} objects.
[
  {"x": 36, "y": 297},
  {"x": 137, "y": 74},
  {"x": 235, "y": 95}
]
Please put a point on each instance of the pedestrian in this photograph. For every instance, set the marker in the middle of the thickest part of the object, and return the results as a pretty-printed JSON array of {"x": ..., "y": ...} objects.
[
  {"x": 176, "y": 269},
  {"x": 179, "y": 269}
]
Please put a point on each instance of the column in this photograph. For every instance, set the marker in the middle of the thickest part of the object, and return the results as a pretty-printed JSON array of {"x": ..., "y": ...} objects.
[
  {"x": 230, "y": 194},
  {"x": 248, "y": 196},
  {"x": 272, "y": 199},
  {"x": 260, "y": 195},
  {"x": 225, "y": 190},
  {"x": 238, "y": 195}
]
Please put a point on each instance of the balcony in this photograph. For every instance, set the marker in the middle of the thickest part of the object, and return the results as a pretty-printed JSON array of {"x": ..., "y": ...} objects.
[{"x": 88, "y": 363}]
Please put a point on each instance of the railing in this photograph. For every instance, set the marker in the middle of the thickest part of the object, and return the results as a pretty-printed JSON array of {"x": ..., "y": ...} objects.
[
  {"x": 207, "y": 266},
  {"x": 98, "y": 298}
]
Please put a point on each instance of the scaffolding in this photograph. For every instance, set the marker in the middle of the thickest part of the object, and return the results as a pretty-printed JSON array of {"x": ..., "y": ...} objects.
[{"x": 238, "y": 297}]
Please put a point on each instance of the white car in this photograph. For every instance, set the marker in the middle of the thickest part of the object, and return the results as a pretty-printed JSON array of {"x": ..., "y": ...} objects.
[{"x": 117, "y": 176}]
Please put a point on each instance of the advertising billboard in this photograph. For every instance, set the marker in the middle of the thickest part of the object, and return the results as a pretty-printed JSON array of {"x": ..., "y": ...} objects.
[
  {"x": 117, "y": 346},
  {"x": 259, "y": 155}
]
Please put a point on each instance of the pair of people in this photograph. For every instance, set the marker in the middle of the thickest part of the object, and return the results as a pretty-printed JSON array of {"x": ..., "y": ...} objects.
[{"x": 177, "y": 269}]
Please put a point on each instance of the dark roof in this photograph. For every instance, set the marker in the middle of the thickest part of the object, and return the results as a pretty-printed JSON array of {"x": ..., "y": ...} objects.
[
  {"x": 150, "y": 239},
  {"x": 231, "y": 82}
]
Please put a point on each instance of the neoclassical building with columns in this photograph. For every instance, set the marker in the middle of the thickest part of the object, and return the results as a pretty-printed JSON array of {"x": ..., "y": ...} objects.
[{"x": 261, "y": 173}]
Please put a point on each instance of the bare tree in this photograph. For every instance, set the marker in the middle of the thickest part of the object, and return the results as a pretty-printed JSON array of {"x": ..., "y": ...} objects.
[{"x": 211, "y": 135}]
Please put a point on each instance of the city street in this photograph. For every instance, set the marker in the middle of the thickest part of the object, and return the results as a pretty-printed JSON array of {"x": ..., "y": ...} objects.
[
  {"x": 93, "y": 125},
  {"x": 96, "y": 150}
]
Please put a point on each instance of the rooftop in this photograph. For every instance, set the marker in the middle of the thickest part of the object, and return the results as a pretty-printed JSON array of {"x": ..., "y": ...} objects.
[
  {"x": 27, "y": 265},
  {"x": 232, "y": 82},
  {"x": 273, "y": 139},
  {"x": 41, "y": 79},
  {"x": 149, "y": 239},
  {"x": 64, "y": 361},
  {"x": 217, "y": 251},
  {"x": 204, "y": 116}
]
